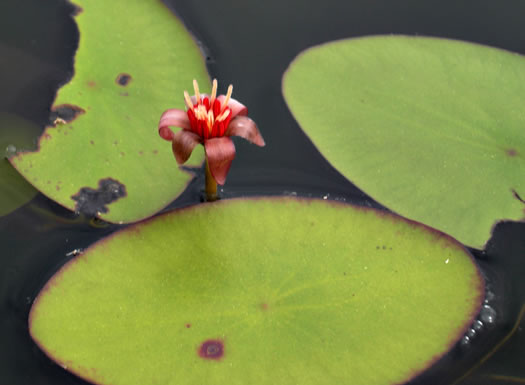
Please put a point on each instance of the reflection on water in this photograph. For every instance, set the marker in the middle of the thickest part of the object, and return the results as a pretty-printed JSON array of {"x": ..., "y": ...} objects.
[{"x": 251, "y": 45}]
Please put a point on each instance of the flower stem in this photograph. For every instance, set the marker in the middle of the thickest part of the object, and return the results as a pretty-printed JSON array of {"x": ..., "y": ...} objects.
[{"x": 211, "y": 185}]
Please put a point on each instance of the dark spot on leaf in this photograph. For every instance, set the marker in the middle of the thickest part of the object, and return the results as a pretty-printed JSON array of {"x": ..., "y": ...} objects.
[
  {"x": 93, "y": 202},
  {"x": 141, "y": 152},
  {"x": 211, "y": 350},
  {"x": 188, "y": 326},
  {"x": 58, "y": 188},
  {"x": 122, "y": 153},
  {"x": 123, "y": 79},
  {"x": 517, "y": 196},
  {"x": 264, "y": 306},
  {"x": 124, "y": 94},
  {"x": 64, "y": 113},
  {"x": 91, "y": 84},
  {"x": 155, "y": 152},
  {"x": 91, "y": 142},
  {"x": 511, "y": 152}
]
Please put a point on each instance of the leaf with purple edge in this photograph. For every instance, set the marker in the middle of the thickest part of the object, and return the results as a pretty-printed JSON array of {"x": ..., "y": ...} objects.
[
  {"x": 434, "y": 129},
  {"x": 103, "y": 156},
  {"x": 260, "y": 291}
]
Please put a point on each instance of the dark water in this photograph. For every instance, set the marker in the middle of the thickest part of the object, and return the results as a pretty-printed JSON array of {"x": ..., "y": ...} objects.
[{"x": 250, "y": 44}]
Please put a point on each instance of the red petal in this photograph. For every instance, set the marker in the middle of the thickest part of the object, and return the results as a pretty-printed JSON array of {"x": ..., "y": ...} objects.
[
  {"x": 206, "y": 103},
  {"x": 183, "y": 144},
  {"x": 220, "y": 153},
  {"x": 216, "y": 108},
  {"x": 166, "y": 133},
  {"x": 246, "y": 128},
  {"x": 236, "y": 107},
  {"x": 175, "y": 118}
]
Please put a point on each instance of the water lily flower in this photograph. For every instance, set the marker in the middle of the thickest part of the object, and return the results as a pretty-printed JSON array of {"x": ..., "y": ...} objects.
[{"x": 210, "y": 121}]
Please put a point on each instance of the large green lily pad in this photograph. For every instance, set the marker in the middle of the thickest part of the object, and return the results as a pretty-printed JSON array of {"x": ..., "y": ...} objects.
[
  {"x": 260, "y": 291},
  {"x": 434, "y": 129},
  {"x": 109, "y": 160},
  {"x": 16, "y": 134}
]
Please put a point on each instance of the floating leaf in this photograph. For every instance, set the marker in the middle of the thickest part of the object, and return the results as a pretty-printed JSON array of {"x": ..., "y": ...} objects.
[
  {"x": 262, "y": 291},
  {"x": 434, "y": 129},
  {"x": 16, "y": 134},
  {"x": 104, "y": 155}
]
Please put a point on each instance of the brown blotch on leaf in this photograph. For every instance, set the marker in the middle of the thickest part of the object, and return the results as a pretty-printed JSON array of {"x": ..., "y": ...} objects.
[
  {"x": 92, "y": 142},
  {"x": 91, "y": 83},
  {"x": 64, "y": 113},
  {"x": 264, "y": 306},
  {"x": 123, "y": 79},
  {"x": 211, "y": 350},
  {"x": 93, "y": 201},
  {"x": 188, "y": 326},
  {"x": 512, "y": 152}
]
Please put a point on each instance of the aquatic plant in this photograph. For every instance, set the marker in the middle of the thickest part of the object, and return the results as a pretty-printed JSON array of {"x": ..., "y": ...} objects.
[{"x": 210, "y": 121}]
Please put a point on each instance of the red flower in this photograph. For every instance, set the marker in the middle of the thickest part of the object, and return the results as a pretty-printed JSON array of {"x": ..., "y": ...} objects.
[{"x": 209, "y": 121}]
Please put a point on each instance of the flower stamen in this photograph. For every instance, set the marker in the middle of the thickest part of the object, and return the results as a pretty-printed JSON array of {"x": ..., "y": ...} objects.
[
  {"x": 210, "y": 121},
  {"x": 227, "y": 99},
  {"x": 196, "y": 88},
  {"x": 223, "y": 115},
  {"x": 213, "y": 92},
  {"x": 187, "y": 99}
]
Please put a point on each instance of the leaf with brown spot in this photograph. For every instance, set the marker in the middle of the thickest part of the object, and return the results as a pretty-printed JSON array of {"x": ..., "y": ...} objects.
[
  {"x": 441, "y": 137},
  {"x": 102, "y": 114},
  {"x": 245, "y": 292}
]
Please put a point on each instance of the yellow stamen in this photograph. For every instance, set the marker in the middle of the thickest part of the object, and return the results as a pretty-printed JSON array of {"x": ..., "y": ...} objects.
[
  {"x": 210, "y": 120},
  {"x": 196, "y": 88},
  {"x": 213, "y": 92},
  {"x": 223, "y": 115},
  {"x": 200, "y": 112},
  {"x": 227, "y": 99},
  {"x": 187, "y": 99}
]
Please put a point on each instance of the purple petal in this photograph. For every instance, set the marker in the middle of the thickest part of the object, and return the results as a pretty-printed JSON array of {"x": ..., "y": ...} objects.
[
  {"x": 175, "y": 118},
  {"x": 220, "y": 153},
  {"x": 246, "y": 128},
  {"x": 236, "y": 107},
  {"x": 183, "y": 144}
]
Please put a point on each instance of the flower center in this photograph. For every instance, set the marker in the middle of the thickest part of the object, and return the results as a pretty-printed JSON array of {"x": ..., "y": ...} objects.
[{"x": 209, "y": 118}]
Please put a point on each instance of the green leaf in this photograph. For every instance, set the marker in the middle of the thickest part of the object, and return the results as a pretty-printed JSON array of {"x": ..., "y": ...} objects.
[
  {"x": 16, "y": 134},
  {"x": 285, "y": 292},
  {"x": 433, "y": 129},
  {"x": 114, "y": 138}
]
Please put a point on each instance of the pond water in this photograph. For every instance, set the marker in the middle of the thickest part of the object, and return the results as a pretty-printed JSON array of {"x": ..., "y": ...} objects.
[{"x": 250, "y": 44}]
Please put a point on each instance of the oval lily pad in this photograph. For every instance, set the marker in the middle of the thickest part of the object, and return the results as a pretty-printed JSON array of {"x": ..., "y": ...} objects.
[
  {"x": 104, "y": 156},
  {"x": 434, "y": 129},
  {"x": 16, "y": 134},
  {"x": 260, "y": 291}
]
